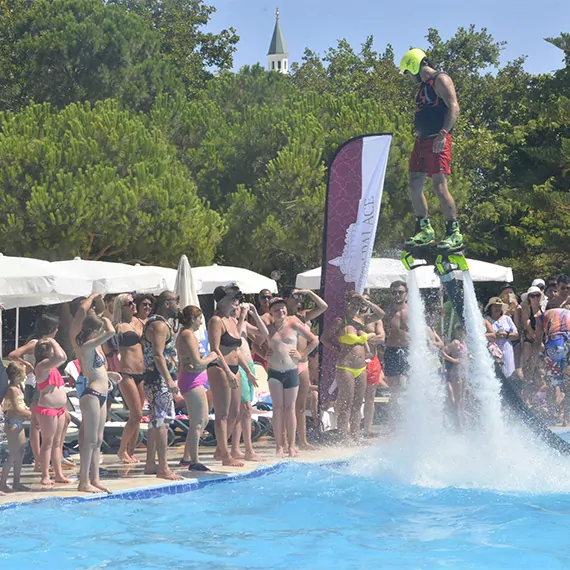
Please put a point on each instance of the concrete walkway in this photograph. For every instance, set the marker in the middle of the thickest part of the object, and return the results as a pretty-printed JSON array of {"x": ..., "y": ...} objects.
[{"x": 122, "y": 477}]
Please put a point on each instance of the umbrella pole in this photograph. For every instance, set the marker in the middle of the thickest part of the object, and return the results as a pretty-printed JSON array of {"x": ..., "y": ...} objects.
[{"x": 17, "y": 325}]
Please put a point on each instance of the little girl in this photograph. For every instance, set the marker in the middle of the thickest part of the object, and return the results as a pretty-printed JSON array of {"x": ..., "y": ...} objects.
[{"x": 15, "y": 413}]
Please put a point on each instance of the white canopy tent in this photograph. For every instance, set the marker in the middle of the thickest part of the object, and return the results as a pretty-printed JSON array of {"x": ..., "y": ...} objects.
[
  {"x": 28, "y": 282},
  {"x": 109, "y": 277},
  {"x": 384, "y": 271},
  {"x": 207, "y": 278}
]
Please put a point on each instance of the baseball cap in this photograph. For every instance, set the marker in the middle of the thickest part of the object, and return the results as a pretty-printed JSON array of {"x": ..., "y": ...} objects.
[
  {"x": 222, "y": 291},
  {"x": 276, "y": 301},
  {"x": 538, "y": 283}
]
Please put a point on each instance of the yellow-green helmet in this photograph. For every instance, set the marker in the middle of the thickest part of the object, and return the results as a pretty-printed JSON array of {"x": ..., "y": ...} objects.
[{"x": 411, "y": 61}]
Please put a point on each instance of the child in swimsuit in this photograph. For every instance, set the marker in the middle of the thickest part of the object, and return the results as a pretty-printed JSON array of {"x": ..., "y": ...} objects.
[
  {"x": 50, "y": 410},
  {"x": 15, "y": 413}
]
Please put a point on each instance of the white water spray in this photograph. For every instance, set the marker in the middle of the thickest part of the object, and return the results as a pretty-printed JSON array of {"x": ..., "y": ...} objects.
[
  {"x": 493, "y": 453},
  {"x": 482, "y": 379}
]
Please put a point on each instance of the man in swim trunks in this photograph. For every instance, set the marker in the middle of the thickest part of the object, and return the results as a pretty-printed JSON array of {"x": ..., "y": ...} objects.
[
  {"x": 554, "y": 328},
  {"x": 160, "y": 361},
  {"x": 397, "y": 341},
  {"x": 436, "y": 112}
]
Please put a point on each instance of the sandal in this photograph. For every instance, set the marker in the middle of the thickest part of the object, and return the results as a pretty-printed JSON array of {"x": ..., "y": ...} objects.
[{"x": 198, "y": 467}]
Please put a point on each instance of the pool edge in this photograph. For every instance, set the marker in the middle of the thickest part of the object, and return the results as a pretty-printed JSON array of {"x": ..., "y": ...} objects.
[{"x": 175, "y": 488}]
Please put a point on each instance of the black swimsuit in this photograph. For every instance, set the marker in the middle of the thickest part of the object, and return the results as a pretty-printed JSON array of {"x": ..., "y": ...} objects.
[
  {"x": 228, "y": 341},
  {"x": 126, "y": 340}
]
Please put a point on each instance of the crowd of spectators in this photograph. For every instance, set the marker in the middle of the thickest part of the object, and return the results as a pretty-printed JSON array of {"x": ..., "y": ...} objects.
[{"x": 128, "y": 344}]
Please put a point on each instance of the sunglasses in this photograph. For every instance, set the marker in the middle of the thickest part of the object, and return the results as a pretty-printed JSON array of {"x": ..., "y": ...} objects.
[
  {"x": 130, "y": 304},
  {"x": 534, "y": 296},
  {"x": 146, "y": 305},
  {"x": 266, "y": 297},
  {"x": 396, "y": 293},
  {"x": 296, "y": 296}
]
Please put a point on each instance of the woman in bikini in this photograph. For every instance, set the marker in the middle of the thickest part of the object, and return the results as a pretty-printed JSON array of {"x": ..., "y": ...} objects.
[
  {"x": 349, "y": 338},
  {"x": 95, "y": 331},
  {"x": 283, "y": 359},
  {"x": 243, "y": 423},
  {"x": 129, "y": 331},
  {"x": 50, "y": 410},
  {"x": 223, "y": 375},
  {"x": 192, "y": 380},
  {"x": 15, "y": 413},
  {"x": 294, "y": 298},
  {"x": 531, "y": 310}
]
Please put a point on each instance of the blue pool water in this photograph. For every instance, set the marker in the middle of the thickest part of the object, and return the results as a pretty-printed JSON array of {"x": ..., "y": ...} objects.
[{"x": 298, "y": 516}]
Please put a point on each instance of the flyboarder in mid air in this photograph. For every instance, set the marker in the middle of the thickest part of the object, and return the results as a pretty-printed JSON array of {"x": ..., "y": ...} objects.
[{"x": 436, "y": 112}]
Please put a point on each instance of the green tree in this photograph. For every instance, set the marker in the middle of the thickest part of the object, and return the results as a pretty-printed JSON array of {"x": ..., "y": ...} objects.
[
  {"x": 65, "y": 51},
  {"x": 96, "y": 182},
  {"x": 197, "y": 54}
]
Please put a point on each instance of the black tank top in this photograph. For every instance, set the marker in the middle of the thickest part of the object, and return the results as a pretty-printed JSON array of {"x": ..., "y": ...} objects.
[{"x": 430, "y": 109}]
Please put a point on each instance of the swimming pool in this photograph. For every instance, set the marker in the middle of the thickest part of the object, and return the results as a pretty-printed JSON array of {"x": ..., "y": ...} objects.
[{"x": 294, "y": 516}]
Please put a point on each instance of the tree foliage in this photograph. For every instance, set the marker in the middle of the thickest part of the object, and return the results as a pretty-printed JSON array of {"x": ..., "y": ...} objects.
[
  {"x": 150, "y": 146},
  {"x": 96, "y": 182}
]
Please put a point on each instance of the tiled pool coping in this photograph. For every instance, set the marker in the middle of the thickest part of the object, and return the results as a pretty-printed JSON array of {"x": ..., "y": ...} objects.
[{"x": 174, "y": 488}]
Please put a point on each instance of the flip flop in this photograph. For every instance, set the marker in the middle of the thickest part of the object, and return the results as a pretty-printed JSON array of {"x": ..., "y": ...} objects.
[
  {"x": 185, "y": 463},
  {"x": 198, "y": 467}
]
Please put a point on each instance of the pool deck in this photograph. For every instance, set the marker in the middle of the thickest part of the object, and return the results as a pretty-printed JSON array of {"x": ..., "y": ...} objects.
[{"x": 123, "y": 477}]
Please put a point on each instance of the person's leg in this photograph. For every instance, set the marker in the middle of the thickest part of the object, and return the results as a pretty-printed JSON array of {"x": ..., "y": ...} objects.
[
  {"x": 301, "y": 406},
  {"x": 90, "y": 418},
  {"x": 13, "y": 445},
  {"x": 35, "y": 436},
  {"x": 345, "y": 383},
  {"x": 356, "y": 408},
  {"x": 250, "y": 454},
  {"x": 57, "y": 449},
  {"x": 21, "y": 450},
  {"x": 239, "y": 430},
  {"x": 417, "y": 196},
  {"x": 94, "y": 476},
  {"x": 221, "y": 393},
  {"x": 235, "y": 405},
  {"x": 289, "y": 399},
  {"x": 369, "y": 396},
  {"x": 197, "y": 405},
  {"x": 163, "y": 408},
  {"x": 132, "y": 399},
  {"x": 446, "y": 201},
  {"x": 61, "y": 441},
  {"x": 150, "y": 467},
  {"x": 48, "y": 428},
  {"x": 278, "y": 404}
]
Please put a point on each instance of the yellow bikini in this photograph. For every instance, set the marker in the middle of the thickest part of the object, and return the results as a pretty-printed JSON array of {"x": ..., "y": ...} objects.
[{"x": 351, "y": 339}]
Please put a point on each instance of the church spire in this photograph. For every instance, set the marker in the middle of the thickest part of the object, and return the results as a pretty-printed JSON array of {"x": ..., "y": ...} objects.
[{"x": 277, "y": 59}]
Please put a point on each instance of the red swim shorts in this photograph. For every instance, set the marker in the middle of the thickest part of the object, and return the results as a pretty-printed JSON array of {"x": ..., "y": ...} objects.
[
  {"x": 373, "y": 371},
  {"x": 424, "y": 160}
]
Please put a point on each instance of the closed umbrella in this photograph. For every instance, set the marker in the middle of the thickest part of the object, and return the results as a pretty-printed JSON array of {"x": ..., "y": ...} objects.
[{"x": 185, "y": 289}]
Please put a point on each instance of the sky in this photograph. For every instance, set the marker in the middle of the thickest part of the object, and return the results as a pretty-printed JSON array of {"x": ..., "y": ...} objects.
[{"x": 318, "y": 24}]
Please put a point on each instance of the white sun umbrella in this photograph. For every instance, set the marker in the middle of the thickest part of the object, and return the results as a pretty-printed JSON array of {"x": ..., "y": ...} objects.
[
  {"x": 28, "y": 282},
  {"x": 248, "y": 281},
  {"x": 110, "y": 277},
  {"x": 185, "y": 289}
]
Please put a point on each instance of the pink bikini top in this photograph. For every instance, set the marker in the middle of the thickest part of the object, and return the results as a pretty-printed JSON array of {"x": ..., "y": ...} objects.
[{"x": 54, "y": 379}]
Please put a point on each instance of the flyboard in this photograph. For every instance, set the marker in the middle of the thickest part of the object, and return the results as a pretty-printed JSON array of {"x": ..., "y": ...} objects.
[{"x": 448, "y": 267}]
